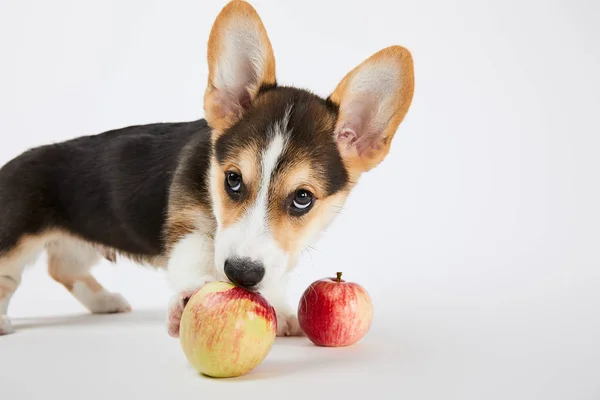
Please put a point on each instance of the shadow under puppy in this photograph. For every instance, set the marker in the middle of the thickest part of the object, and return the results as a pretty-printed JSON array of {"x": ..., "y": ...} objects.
[{"x": 236, "y": 196}]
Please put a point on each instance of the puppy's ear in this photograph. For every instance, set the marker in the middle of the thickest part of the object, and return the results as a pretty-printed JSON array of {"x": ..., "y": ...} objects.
[
  {"x": 373, "y": 99},
  {"x": 240, "y": 60}
]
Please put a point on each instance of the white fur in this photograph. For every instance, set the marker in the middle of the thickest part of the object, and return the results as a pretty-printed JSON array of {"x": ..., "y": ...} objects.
[
  {"x": 287, "y": 320},
  {"x": 75, "y": 257},
  {"x": 5, "y": 302},
  {"x": 101, "y": 302},
  {"x": 243, "y": 56},
  {"x": 11, "y": 271},
  {"x": 192, "y": 262},
  {"x": 12, "y": 267},
  {"x": 379, "y": 78},
  {"x": 5, "y": 325},
  {"x": 251, "y": 237},
  {"x": 72, "y": 259},
  {"x": 373, "y": 92},
  {"x": 196, "y": 260}
]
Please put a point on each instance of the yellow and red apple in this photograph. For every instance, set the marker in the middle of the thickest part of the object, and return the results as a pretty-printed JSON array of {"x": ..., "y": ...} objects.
[
  {"x": 335, "y": 313},
  {"x": 226, "y": 331}
]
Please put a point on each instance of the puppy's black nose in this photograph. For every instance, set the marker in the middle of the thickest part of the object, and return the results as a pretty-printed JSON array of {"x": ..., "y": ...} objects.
[{"x": 244, "y": 272}]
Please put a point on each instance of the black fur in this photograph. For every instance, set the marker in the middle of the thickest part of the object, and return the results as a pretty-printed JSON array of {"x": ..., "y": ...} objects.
[
  {"x": 112, "y": 188},
  {"x": 310, "y": 136},
  {"x": 109, "y": 188}
]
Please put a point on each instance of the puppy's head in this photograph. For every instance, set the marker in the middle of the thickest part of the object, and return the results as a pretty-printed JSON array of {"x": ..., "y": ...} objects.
[{"x": 284, "y": 159}]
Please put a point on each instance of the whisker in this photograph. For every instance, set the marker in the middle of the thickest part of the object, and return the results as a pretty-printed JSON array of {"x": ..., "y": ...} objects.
[
  {"x": 307, "y": 250},
  {"x": 210, "y": 234},
  {"x": 315, "y": 249}
]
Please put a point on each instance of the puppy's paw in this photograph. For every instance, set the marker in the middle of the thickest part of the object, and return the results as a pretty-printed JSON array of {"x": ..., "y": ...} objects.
[
  {"x": 287, "y": 324},
  {"x": 176, "y": 305},
  {"x": 107, "y": 303},
  {"x": 5, "y": 325}
]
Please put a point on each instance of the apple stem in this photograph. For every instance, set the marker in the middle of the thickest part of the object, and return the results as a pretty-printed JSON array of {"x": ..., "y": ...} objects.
[{"x": 339, "y": 277}]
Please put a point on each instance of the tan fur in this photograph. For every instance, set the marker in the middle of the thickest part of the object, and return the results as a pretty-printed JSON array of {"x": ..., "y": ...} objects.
[
  {"x": 182, "y": 220},
  {"x": 185, "y": 211},
  {"x": 290, "y": 232},
  {"x": 12, "y": 263},
  {"x": 245, "y": 164},
  {"x": 69, "y": 261},
  {"x": 293, "y": 234},
  {"x": 235, "y": 12},
  {"x": 402, "y": 60},
  {"x": 71, "y": 257},
  {"x": 4, "y": 292},
  {"x": 30, "y": 246},
  {"x": 232, "y": 211},
  {"x": 300, "y": 175},
  {"x": 68, "y": 281}
]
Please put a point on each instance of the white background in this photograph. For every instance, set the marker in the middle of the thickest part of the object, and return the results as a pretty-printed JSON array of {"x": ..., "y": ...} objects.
[{"x": 478, "y": 237}]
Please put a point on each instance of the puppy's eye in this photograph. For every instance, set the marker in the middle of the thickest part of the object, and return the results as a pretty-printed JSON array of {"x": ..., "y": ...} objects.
[
  {"x": 233, "y": 182},
  {"x": 302, "y": 201}
]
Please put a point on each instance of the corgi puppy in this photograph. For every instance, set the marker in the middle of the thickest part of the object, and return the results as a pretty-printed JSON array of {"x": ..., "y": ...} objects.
[{"x": 235, "y": 196}]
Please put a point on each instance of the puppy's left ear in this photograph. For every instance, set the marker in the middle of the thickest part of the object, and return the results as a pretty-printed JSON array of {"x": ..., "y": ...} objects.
[
  {"x": 240, "y": 61},
  {"x": 373, "y": 99}
]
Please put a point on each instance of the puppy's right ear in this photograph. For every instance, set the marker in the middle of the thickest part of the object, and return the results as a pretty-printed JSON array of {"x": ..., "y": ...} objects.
[{"x": 240, "y": 61}]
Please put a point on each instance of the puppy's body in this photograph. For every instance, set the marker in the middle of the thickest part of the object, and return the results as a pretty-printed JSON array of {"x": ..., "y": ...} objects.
[
  {"x": 109, "y": 189},
  {"x": 236, "y": 196},
  {"x": 91, "y": 197}
]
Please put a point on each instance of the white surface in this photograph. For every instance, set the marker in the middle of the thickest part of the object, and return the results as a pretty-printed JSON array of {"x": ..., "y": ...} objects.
[{"x": 484, "y": 262}]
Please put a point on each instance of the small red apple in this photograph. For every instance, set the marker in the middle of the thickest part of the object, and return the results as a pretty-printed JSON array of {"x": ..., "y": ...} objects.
[
  {"x": 227, "y": 331},
  {"x": 335, "y": 313}
]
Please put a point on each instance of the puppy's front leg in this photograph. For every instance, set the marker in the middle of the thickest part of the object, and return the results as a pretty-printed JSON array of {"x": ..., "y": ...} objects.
[
  {"x": 191, "y": 266},
  {"x": 287, "y": 317}
]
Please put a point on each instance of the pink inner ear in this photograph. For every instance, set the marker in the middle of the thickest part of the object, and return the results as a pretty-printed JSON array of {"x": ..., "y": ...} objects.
[
  {"x": 245, "y": 99},
  {"x": 356, "y": 131},
  {"x": 230, "y": 101},
  {"x": 367, "y": 140},
  {"x": 347, "y": 136}
]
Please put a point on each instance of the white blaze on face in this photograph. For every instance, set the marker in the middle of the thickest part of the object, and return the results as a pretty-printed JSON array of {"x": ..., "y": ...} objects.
[{"x": 251, "y": 236}]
